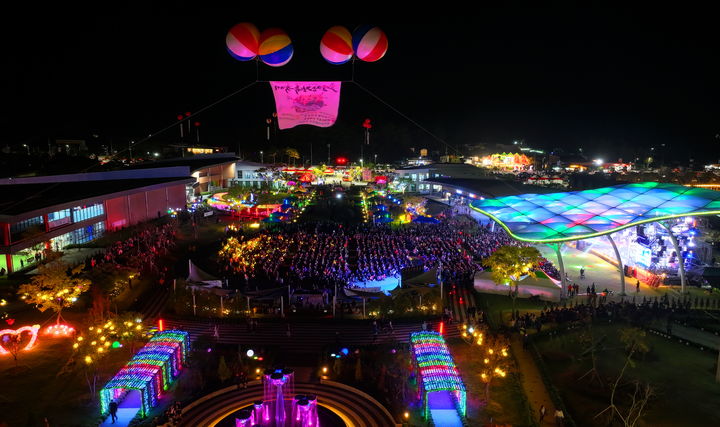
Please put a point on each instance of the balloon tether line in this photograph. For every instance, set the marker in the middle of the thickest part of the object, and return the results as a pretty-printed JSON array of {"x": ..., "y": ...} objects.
[
  {"x": 406, "y": 117},
  {"x": 145, "y": 139}
]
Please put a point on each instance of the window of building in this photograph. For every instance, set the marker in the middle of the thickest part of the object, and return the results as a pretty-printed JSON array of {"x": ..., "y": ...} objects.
[
  {"x": 81, "y": 213},
  {"x": 27, "y": 228},
  {"x": 79, "y": 236},
  {"x": 58, "y": 218}
]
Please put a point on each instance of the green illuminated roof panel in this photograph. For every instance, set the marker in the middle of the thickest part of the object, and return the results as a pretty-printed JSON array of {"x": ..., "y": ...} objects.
[{"x": 575, "y": 215}]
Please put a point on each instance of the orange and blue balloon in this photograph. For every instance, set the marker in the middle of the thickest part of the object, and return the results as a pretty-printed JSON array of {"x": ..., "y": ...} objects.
[
  {"x": 276, "y": 48},
  {"x": 369, "y": 43},
  {"x": 243, "y": 41},
  {"x": 336, "y": 45}
]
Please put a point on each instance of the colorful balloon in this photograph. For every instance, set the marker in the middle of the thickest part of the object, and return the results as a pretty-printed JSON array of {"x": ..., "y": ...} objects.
[
  {"x": 275, "y": 47},
  {"x": 243, "y": 41},
  {"x": 336, "y": 45},
  {"x": 369, "y": 43}
]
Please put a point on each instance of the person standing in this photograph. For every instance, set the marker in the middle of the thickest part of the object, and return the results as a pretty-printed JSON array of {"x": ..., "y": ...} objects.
[
  {"x": 542, "y": 414},
  {"x": 113, "y": 410},
  {"x": 637, "y": 286},
  {"x": 559, "y": 417}
]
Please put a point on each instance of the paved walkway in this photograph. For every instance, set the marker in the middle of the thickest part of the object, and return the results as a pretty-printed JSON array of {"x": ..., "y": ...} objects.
[
  {"x": 694, "y": 335},
  {"x": 532, "y": 382},
  {"x": 126, "y": 411},
  {"x": 598, "y": 271}
]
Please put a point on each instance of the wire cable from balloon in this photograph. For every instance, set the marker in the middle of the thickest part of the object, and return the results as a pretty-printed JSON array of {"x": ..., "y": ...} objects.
[{"x": 406, "y": 117}]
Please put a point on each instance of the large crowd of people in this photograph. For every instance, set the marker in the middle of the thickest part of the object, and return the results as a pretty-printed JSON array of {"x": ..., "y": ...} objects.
[
  {"x": 318, "y": 255},
  {"x": 141, "y": 251}
]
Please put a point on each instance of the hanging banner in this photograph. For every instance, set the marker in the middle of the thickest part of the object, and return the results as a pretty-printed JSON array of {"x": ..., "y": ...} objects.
[{"x": 306, "y": 103}]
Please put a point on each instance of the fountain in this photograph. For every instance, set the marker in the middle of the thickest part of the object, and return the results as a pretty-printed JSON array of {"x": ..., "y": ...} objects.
[
  {"x": 305, "y": 411},
  {"x": 272, "y": 410}
]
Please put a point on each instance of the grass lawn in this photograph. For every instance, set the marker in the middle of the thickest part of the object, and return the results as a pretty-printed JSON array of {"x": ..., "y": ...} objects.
[
  {"x": 507, "y": 404},
  {"x": 683, "y": 379},
  {"x": 36, "y": 392},
  {"x": 500, "y": 306}
]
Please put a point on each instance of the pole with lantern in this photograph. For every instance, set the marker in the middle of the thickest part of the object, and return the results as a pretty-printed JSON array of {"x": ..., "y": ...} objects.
[
  {"x": 197, "y": 131},
  {"x": 367, "y": 125},
  {"x": 182, "y": 127}
]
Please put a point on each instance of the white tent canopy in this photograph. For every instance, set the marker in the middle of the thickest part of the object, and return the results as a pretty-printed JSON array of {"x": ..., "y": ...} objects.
[{"x": 197, "y": 276}]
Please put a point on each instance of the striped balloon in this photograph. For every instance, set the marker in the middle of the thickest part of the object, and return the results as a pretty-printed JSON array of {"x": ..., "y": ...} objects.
[
  {"x": 336, "y": 45},
  {"x": 275, "y": 47},
  {"x": 243, "y": 41},
  {"x": 369, "y": 43}
]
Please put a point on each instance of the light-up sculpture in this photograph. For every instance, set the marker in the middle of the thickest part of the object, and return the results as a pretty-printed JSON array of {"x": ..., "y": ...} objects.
[
  {"x": 150, "y": 370},
  {"x": 59, "y": 330},
  {"x": 32, "y": 330},
  {"x": 436, "y": 369}
]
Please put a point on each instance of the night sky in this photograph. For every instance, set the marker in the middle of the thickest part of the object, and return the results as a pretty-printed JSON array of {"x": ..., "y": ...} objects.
[{"x": 612, "y": 81}]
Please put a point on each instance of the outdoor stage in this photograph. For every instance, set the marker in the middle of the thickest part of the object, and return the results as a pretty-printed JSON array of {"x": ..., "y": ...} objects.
[{"x": 385, "y": 285}]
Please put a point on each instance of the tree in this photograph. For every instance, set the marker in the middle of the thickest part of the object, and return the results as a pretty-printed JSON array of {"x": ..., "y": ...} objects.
[
  {"x": 493, "y": 350},
  {"x": 634, "y": 340},
  {"x": 509, "y": 264},
  {"x": 56, "y": 286},
  {"x": 89, "y": 352},
  {"x": 292, "y": 153},
  {"x": 13, "y": 345},
  {"x": 108, "y": 280},
  {"x": 128, "y": 328},
  {"x": 358, "y": 370},
  {"x": 224, "y": 372}
]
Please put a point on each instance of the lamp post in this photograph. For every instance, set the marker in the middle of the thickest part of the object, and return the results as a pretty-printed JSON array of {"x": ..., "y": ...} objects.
[
  {"x": 268, "y": 121},
  {"x": 261, "y": 156},
  {"x": 28, "y": 148}
]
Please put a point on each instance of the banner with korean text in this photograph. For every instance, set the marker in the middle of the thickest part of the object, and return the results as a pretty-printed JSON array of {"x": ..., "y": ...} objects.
[{"x": 306, "y": 103}]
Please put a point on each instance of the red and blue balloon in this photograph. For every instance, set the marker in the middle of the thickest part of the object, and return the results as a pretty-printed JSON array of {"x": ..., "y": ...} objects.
[
  {"x": 276, "y": 48},
  {"x": 273, "y": 46},
  {"x": 369, "y": 43},
  {"x": 336, "y": 45},
  {"x": 243, "y": 41}
]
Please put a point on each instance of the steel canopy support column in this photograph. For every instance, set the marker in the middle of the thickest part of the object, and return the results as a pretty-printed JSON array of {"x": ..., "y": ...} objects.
[
  {"x": 620, "y": 266},
  {"x": 557, "y": 248},
  {"x": 681, "y": 260}
]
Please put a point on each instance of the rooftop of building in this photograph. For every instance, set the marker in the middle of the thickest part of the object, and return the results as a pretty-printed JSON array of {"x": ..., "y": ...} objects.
[
  {"x": 23, "y": 198},
  {"x": 195, "y": 163},
  {"x": 491, "y": 187}
]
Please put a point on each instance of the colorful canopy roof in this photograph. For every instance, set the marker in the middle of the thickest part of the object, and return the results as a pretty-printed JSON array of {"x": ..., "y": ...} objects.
[{"x": 560, "y": 217}]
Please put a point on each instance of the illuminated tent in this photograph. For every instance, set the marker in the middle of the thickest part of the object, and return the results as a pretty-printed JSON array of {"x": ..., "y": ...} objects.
[
  {"x": 436, "y": 370},
  {"x": 150, "y": 371},
  {"x": 198, "y": 276}
]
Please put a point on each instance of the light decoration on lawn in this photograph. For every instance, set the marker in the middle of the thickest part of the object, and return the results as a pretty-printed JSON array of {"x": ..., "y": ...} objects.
[
  {"x": 436, "y": 369},
  {"x": 33, "y": 330},
  {"x": 575, "y": 215},
  {"x": 59, "y": 330},
  {"x": 151, "y": 370}
]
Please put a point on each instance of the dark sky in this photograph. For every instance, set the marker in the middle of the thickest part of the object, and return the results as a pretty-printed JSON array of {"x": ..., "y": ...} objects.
[{"x": 612, "y": 81}]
